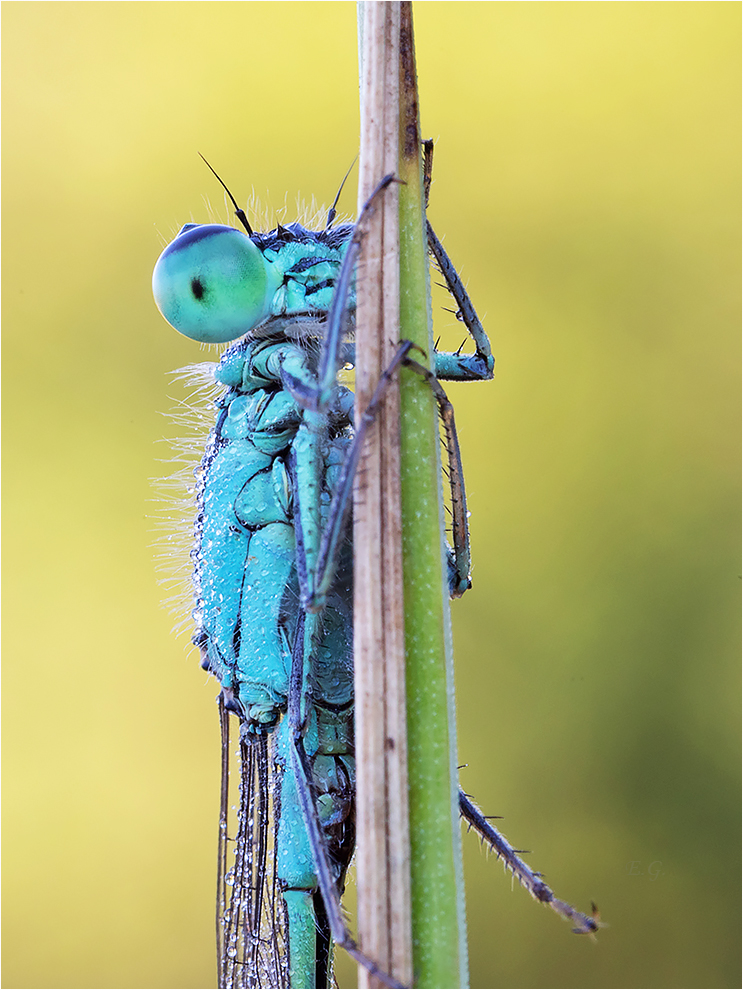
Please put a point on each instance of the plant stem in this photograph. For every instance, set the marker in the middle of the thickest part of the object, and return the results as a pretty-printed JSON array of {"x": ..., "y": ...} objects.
[
  {"x": 434, "y": 884},
  {"x": 439, "y": 929}
]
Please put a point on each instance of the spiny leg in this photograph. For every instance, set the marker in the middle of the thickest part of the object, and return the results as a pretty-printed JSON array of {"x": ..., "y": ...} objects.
[
  {"x": 315, "y": 590},
  {"x": 584, "y": 925},
  {"x": 318, "y": 587},
  {"x": 427, "y": 168},
  {"x": 460, "y": 528},
  {"x": 457, "y": 366}
]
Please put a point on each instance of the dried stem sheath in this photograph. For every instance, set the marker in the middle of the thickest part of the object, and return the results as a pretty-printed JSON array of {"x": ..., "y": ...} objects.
[{"x": 383, "y": 857}]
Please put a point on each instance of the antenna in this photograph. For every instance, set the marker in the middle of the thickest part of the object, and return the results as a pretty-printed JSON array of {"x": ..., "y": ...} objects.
[
  {"x": 240, "y": 214},
  {"x": 331, "y": 211}
]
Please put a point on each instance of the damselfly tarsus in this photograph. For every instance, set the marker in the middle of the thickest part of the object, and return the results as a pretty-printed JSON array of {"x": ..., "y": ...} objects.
[{"x": 273, "y": 574}]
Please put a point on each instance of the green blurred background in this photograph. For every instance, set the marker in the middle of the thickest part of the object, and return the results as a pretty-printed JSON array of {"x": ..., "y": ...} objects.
[{"x": 586, "y": 182}]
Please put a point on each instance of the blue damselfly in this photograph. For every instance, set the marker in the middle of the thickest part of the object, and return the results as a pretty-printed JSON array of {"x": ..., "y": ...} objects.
[{"x": 272, "y": 574}]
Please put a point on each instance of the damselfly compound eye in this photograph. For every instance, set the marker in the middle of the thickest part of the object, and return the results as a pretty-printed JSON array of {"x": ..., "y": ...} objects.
[{"x": 213, "y": 284}]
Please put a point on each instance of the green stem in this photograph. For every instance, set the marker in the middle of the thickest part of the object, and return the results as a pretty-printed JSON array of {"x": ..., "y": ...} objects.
[{"x": 439, "y": 934}]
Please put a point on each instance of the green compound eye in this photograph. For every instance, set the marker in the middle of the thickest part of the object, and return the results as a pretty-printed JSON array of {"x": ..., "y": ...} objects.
[{"x": 213, "y": 284}]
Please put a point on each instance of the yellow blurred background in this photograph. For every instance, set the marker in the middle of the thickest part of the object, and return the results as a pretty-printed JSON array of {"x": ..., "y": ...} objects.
[{"x": 586, "y": 182}]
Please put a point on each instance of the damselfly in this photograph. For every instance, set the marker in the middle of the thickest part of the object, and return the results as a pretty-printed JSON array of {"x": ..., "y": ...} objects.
[{"x": 272, "y": 574}]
